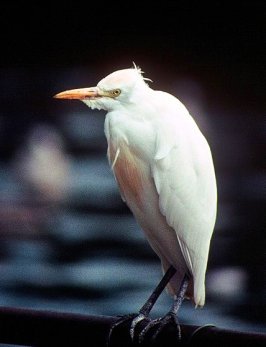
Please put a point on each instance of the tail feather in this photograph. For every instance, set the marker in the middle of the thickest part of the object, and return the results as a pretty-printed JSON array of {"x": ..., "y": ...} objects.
[
  {"x": 199, "y": 292},
  {"x": 196, "y": 287}
]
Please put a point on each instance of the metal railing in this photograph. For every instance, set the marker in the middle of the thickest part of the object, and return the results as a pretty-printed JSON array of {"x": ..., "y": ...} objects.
[{"x": 44, "y": 328}]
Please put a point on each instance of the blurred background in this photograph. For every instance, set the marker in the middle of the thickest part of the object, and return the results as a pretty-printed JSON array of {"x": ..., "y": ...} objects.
[{"x": 67, "y": 241}]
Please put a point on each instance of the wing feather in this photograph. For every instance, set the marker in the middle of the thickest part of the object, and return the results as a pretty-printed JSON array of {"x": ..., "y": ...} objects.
[{"x": 185, "y": 181}]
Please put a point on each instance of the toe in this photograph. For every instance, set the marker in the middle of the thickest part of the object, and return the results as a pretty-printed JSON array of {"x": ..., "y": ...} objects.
[
  {"x": 140, "y": 317},
  {"x": 120, "y": 321},
  {"x": 166, "y": 321},
  {"x": 147, "y": 329}
]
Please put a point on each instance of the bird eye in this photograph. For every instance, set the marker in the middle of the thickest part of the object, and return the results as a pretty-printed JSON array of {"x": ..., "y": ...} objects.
[{"x": 116, "y": 92}]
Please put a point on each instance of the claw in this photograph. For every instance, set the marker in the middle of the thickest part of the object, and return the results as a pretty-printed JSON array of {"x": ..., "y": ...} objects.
[
  {"x": 168, "y": 319},
  {"x": 140, "y": 317},
  {"x": 162, "y": 322},
  {"x": 121, "y": 320},
  {"x": 149, "y": 326}
]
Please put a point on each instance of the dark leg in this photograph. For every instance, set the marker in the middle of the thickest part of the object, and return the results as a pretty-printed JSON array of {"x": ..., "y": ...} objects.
[
  {"x": 146, "y": 308},
  {"x": 180, "y": 297},
  {"x": 171, "y": 316}
]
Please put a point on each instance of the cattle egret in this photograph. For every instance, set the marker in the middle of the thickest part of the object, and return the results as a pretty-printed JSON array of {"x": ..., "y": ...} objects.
[{"x": 164, "y": 169}]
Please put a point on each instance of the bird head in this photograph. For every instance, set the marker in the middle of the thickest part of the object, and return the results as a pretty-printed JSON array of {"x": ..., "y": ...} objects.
[{"x": 115, "y": 90}]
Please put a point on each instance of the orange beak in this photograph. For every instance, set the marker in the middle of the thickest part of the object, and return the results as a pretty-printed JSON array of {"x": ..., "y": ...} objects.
[{"x": 79, "y": 94}]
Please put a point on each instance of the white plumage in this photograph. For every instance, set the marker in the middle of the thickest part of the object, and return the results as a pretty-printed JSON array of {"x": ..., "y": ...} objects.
[{"x": 164, "y": 170}]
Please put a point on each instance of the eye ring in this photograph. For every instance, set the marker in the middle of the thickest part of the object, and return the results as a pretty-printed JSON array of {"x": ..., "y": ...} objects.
[{"x": 116, "y": 92}]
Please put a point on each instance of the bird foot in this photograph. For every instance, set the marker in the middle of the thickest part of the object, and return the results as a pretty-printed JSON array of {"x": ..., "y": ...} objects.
[
  {"x": 121, "y": 320},
  {"x": 162, "y": 322},
  {"x": 140, "y": 317},
  {"x": 135, "y": 317}
]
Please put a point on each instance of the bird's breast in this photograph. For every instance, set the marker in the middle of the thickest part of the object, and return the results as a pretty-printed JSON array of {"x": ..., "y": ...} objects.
[
  {"x": 129, "y": 170},
  {"x": 131, "y": 144}
]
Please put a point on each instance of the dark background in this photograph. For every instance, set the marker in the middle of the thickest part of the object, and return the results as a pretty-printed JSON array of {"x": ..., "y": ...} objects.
[{"x": 68, "y": 242}]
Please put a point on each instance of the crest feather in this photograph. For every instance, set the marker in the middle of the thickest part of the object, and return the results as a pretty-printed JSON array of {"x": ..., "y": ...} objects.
[{"x": 138, "y": 69}]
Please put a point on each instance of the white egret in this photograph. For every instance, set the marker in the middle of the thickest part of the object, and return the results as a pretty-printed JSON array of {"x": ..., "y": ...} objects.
[{"x": 164, "y": 169}]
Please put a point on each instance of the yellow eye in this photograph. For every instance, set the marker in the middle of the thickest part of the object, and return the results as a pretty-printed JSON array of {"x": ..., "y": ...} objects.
[{"x": 116, "y": 92}]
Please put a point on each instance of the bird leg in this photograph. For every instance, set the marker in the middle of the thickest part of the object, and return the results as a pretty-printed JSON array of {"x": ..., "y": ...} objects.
[
  {"x": 146, "y": 308},
  {"x": 171, "y": 316}
]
